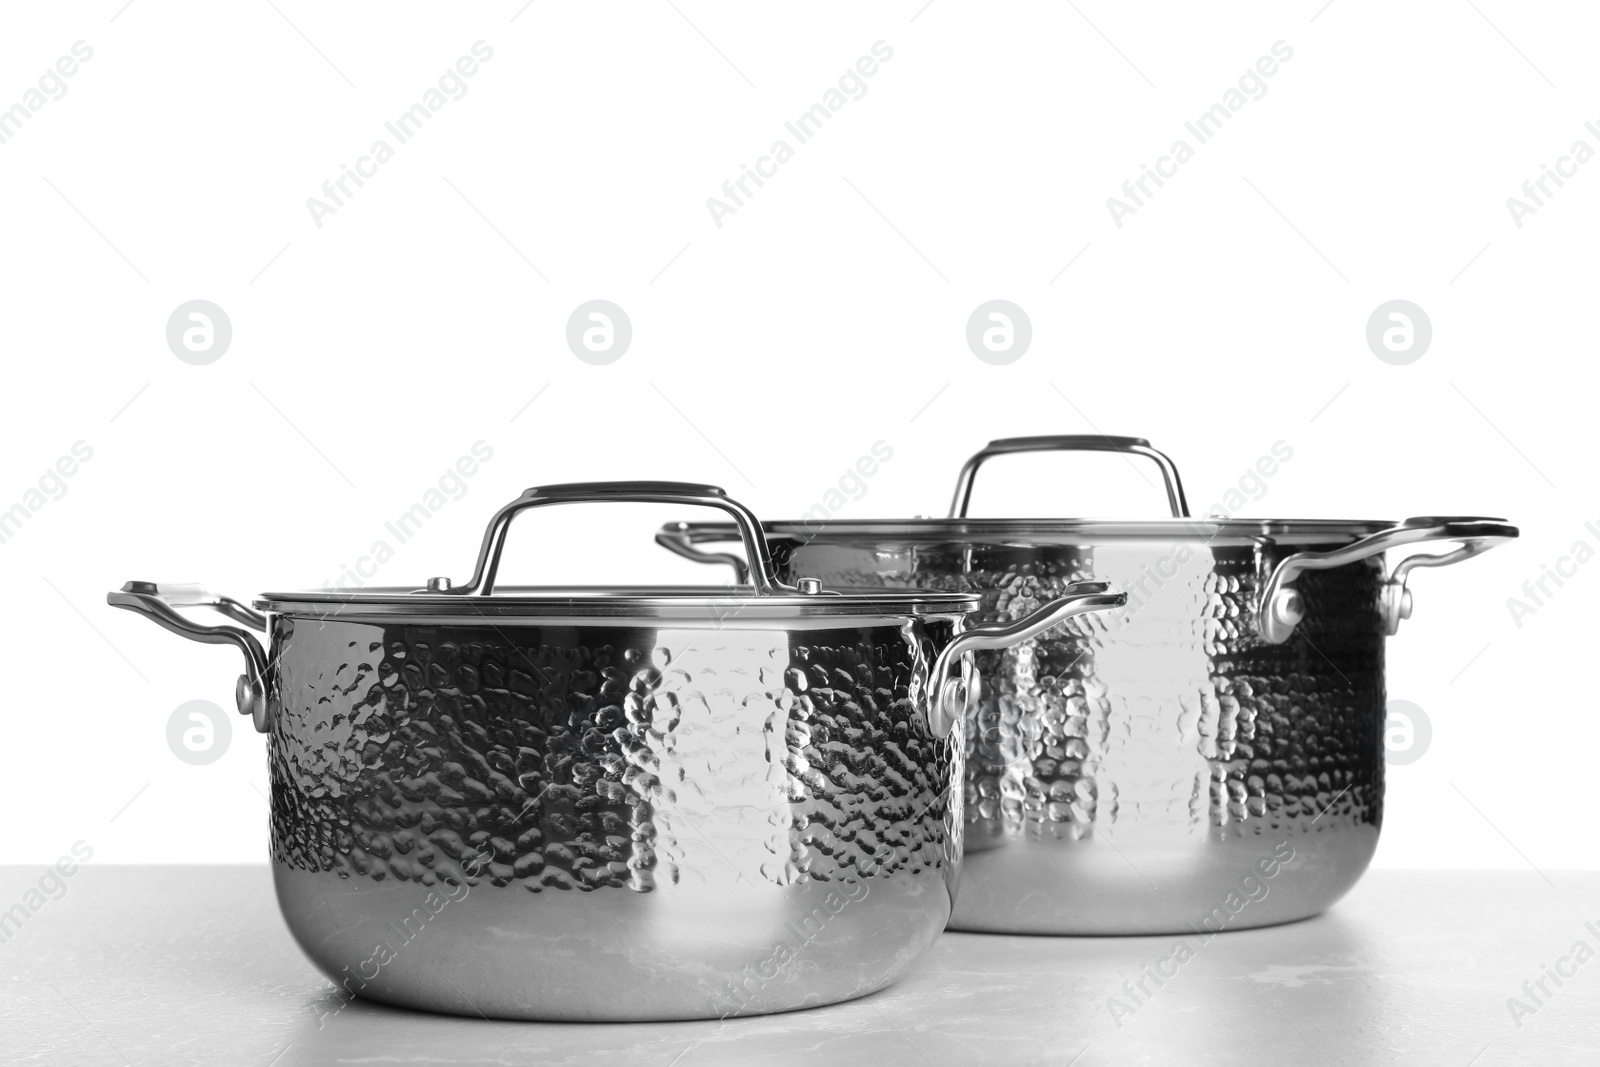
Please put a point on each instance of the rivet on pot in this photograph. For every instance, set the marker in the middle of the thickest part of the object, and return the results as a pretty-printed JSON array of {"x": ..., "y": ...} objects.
[
  {"x": 251, "y": 699},
  {"x": 1288, "y": 608},
  {"x": 1396, "y": 605}
]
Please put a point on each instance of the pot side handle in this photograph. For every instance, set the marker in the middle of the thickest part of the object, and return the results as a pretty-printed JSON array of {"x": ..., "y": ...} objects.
[
  {"x": 950, "y": 700},
  {"x": 1281, "y": 607},
  {"x": 1071, "y": 442},
  {"x": 159, "y": 604}
]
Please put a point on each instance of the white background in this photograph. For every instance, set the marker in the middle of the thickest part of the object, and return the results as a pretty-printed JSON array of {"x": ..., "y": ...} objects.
[{"x": 768, "y": 354}]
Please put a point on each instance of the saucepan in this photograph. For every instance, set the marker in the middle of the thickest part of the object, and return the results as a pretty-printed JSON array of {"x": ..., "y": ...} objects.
[
  {"x": 612, "y": 804},
  {"x": 1209, "y": 757}
]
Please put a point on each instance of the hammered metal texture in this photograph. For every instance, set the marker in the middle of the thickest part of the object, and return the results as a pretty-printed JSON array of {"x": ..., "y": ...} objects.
[
  {"x": 1128, "y": 768},
  {"x": 618, "y": 778}
]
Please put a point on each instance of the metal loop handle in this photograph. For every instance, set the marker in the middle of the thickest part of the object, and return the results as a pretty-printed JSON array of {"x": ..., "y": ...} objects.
[
  {"x": 1135, "y": 446},
  {"x": 1281, "y": 608},
  {"x": 195, "y": 595},
  {"x": 760, "y": 574},
  {"x": 674, "y": 537},
  {"x": 158, "y": 603},
  {"x": 949, "y": 700}
]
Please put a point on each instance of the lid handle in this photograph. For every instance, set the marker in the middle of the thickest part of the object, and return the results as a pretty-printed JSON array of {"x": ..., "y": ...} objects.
[
  {"x": 1071, "y": 442},
  {"x": 762, "y": 575},
  {"x": 676, "y": 537}
]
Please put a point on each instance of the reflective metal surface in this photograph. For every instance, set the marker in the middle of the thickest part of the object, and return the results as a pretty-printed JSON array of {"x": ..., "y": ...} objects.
[
  {"x": 615, "y": 804},
  {"x": 1280, "y": 608},
  {"x": 1141, "y": 771},
  {"x": 1071, "y": 600},
  {"x": 610, "y": 822},
  {"x": 1128, "y": 770},
  {"x": 158, "y": 603},
  {"x": 759, "y": 572},
  {"x": 1133, "y": 446},
  {"x": 663, "y": 603}
]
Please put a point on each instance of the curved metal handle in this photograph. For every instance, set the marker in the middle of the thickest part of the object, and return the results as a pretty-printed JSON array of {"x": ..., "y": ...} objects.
[
  {"x": 195, "y": 595},
  {"x": 950, "y": 699},
  {"x": 1281, "y": 608},
  {"x": 158, "y": 603},
  {"x": 674, "y": 537},
  {"x": 1135, "y": 446},
  {"x": 761, "y": 573}
]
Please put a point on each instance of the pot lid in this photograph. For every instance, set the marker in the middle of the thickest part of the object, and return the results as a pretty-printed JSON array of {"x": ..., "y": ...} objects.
[
  {"x": 761, "y": 597},
  {"x": 960, "y": 527},
  {"x": 1056, "y": 531},
  {"x": 667, "y": 602}
]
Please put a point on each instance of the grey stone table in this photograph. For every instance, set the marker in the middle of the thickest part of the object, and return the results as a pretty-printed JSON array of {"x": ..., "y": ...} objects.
[{"x": 181, "y": 965}]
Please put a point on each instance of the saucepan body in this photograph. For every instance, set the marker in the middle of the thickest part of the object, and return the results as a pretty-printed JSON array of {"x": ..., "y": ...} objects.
[
  {"x": 612, "y": 804},
  {"x": 1210, "y": 756},
  {"x": 611, "y": 821}
]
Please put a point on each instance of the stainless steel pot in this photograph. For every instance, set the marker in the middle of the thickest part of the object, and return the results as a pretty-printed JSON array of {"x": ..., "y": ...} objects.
[
  {"x": 611, "y": 804},
  {"x": 1210, "y": 757}
]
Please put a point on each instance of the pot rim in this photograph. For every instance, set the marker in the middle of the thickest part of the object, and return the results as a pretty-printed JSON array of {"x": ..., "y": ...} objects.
[
  {"x": 722, "y": 603},
  {"x": 1069, "y": 531}
]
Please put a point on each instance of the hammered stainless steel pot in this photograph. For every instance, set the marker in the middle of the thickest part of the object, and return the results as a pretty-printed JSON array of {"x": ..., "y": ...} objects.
[
  {"x": 1210, "y": 757},
  {"x": 611, "y": 804}
]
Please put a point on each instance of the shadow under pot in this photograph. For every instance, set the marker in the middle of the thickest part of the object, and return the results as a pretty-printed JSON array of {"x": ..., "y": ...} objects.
[
  {"x": 1209, "y": 757},
  {"x": 611, "y": 804}
]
